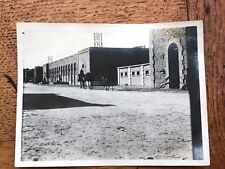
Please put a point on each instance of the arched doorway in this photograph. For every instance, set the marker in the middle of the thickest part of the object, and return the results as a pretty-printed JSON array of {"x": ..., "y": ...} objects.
[{"x": 173, "y": 63}]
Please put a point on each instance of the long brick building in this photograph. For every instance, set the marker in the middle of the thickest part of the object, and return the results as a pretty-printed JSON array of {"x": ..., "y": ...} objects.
[{"x": 97, "y": 60}]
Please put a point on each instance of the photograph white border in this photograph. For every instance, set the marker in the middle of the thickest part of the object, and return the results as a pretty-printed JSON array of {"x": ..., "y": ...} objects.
[{"x": 203, "y": 100}]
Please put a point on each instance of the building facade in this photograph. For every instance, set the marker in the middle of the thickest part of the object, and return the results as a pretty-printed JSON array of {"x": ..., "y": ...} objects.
[
  {"x": 46, "y": 73},
  {"x": 134, "y": 75},
  {"x": 168, "y": 58},
  {"x": 63, "y": 70},
  {"x": 28, "y": 75},
  {"x": 99, "y": 61},
  {"x": 38, "y": 74}
]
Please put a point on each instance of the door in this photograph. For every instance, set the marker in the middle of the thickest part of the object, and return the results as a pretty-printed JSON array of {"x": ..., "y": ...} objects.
[{"x": 173, "y": 61}]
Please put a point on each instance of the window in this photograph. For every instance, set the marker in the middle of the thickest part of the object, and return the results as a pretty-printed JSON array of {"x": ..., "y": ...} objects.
[
  {"x": 121, "y": 74},
  {"x": 147, "y": 72},
  {"x": 138, "y": 73},
  {"x": 68, "y": 68},
  {"x": 71, "y": 68},
  {"x": 126, "y": 74},
  {"x": 74, "y": 67},
  {"x": 133, "y": 73}
]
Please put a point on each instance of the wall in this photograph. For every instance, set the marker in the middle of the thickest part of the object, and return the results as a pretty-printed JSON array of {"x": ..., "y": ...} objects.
[
  {"x": 128, "y": 75},
  {"x": 38, "y": 74},
  {"x": 136, "y": 76},
  {"x": 104, "y": 61},
  {"x": 158, "y": 53},
  {"x": 28, "y": 75},
  {"x": 123, "y": 74},
  {"x": 146, "y": 75},
  {"x": 99, "y": 61},
  {"x": 46, "y": 73},
  {"x": 84, "y": 60},
  {"x": 63, "y": 70}
]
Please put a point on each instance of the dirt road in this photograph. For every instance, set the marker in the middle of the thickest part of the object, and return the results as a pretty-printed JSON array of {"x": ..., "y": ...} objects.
[{"x": 96, "y": 124}]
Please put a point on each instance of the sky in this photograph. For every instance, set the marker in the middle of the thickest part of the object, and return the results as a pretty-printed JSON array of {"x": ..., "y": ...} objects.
[{"x": 37, "y": 41}]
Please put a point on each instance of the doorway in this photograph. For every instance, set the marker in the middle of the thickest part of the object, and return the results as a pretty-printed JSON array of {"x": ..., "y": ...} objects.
[{"x": 173, "y": 63}]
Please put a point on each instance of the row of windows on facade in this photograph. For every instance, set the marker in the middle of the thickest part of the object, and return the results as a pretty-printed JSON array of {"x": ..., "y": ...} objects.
[
  {"x": 137, "y": 73},
  {"x": 64, "y": 70}
]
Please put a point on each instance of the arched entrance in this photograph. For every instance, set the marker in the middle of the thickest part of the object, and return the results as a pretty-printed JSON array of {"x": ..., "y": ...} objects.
[{"x": 173, "y": 63}]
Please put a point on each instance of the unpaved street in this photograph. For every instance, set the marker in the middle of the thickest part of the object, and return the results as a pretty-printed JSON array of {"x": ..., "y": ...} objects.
[{"x": 75, "y": 123}]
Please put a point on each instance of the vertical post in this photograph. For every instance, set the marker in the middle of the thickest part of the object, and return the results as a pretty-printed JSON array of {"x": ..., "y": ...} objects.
[
  {"x": 63, "y": 73},
  {"x": 151, "y": 59},
  {"x": 57, "y": 73},
  {"x": 194, "y": 91},
  {"x": 55, "y": 77},
  {"x": 118, "y": 76},
  {"x": 68, "y": 73},
  {"x": 129, "y": 75},
  {"x": 71, "y": 65},
  {"x": 142, "y": 74},
  {"x": 74, "y": 73}
]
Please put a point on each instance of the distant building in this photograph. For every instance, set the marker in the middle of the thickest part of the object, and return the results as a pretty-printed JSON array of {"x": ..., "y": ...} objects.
[
  {"x": 46, "y": 73},
  {"x": 134, "y": 75},
  {"x": 99, "y": 61},
  {"x": 63, "y": 70},
  {"x": 38, "y": 74},
  {"x": 28, "y": 75}
]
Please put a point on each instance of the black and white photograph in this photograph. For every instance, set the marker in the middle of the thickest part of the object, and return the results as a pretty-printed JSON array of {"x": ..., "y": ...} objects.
[{"x": 111, "y": 95}]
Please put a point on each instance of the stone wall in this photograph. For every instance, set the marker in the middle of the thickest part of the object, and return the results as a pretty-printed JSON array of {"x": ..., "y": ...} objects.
[{"x": 160, "y": 40}]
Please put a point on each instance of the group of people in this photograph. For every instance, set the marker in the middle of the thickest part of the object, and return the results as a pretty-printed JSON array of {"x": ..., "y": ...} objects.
[
  {"x": 86, "y": 80},
  {"x": 106, "y": 82}
]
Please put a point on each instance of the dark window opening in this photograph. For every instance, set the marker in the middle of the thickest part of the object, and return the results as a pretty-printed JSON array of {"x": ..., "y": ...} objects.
[{"x": 173, "y": 60}]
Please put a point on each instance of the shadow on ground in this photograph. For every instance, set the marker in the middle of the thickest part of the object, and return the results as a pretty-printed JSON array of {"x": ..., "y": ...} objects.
[{"x": 53, "y": 101}]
